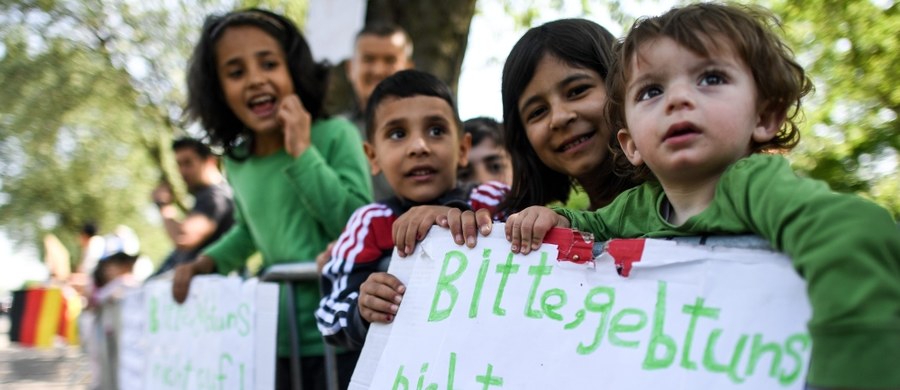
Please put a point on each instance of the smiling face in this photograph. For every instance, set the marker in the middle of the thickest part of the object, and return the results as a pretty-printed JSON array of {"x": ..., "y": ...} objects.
[
  {"x": 689, "y": 117},
  {"x": 374, "y": 59},
  {"x": 562, "y": 111},
  {"x": 254, "y": 76},
  {"x": 416, "y": 144}
]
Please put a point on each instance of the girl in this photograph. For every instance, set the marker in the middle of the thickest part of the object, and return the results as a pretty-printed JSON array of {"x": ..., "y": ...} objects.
[
  {"x": 553, "y": 96},
  {"x": 297, "y": 177}
]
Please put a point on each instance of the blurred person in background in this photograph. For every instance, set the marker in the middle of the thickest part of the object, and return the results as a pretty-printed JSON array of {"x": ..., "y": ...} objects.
[
  {"x": 488, "y": 158},
  {"x": 380, "y": 51},
  {"x": 212, "y": 213}
]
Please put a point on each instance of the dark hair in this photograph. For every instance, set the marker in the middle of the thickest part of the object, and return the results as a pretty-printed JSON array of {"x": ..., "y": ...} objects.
[
  {"x": 404, "y": 84},
  {"x": 703, "y": 28},
  {"x": 483, "y": 128},
  {"x": 386, "y": 30},
  {"x": 196, "y": 145},
  {"x": 206, "y": 100},
  {"x": 580, "y": 43}
]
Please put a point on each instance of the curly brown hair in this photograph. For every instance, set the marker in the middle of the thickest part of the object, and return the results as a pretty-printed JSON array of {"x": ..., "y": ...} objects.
[{"x": 752, "y": 34}]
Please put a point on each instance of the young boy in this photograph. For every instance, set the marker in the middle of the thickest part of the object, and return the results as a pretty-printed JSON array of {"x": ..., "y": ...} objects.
[
  {"x": 488, "y": 159},
  {"x": 698, "y": 93},
  {"x": 415, "y": 137}
]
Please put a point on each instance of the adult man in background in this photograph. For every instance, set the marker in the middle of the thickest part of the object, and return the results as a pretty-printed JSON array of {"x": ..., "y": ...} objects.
[
  {"x": 212, "y": 214},
  {"x": 380, "y": 51}
]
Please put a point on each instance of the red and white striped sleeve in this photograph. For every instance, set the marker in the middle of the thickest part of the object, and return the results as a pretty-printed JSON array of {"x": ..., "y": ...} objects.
[
  {"x": 489, "y": 196},
  {"x": 355, "y": 256}
]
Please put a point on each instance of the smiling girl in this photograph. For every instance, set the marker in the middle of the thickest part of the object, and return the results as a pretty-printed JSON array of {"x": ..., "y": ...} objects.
[{"x": 297, "y": 176}]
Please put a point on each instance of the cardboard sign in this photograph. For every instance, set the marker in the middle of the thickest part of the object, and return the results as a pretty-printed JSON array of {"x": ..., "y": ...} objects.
[
  {"x": 222, "y": 337},
  {"x": 685, "y": 317}
]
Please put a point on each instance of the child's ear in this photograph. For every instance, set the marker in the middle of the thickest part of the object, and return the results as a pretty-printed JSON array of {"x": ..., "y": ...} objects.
[
  {"x": 631, "y": 151},
  {"x": 370, "y": 154},
  {"x": 465, "y": 144},
  {"x": 767, "y": 126}
]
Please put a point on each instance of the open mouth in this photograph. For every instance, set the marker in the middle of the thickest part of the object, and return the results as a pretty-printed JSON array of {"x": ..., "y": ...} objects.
[
  {"x": 572, "y": 143},
  {"x": 421, "y": 172},
  {"x": 680, "y": 131},
  {"x": 262, "y": 105}
]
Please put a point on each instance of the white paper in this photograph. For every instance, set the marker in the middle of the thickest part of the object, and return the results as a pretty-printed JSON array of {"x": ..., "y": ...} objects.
[{"x": 687, "y": 317}]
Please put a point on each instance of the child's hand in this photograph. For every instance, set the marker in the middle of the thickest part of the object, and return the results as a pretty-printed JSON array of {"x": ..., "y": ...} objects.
[
  {"x": 181, "y": 283},
  {"x": 466, "y": 223},
  {"x": 379, "y": 297},
  {"x": 296, "y": 123},
  {"x": 413, "y": 225},
  {"x": 525, "y": 230}
]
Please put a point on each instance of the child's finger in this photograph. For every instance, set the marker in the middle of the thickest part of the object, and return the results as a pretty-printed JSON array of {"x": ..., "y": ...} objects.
[
  {"x": 528, "y": 221},
  {"x": 514, "y": 232},
  {"x": 484, "y": 221},
  {"x": 469, "y": 227},
  {"x": 423, "y": 228},
  {"x": 542, "y": 226},
  {"x": 386, "y": 279},
  {"x": 181, "y": 283},
  {"x": 374, "y": 309},
  {"x": 401, "y": 231},
  {"x": 409, "y": 233},
  {"x": 454, "y": 223}
]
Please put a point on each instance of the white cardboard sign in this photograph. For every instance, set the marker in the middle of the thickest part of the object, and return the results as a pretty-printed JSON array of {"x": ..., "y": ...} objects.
[
  {"x": 686, "y": 317},
  {"x": 222, "y": 336}
]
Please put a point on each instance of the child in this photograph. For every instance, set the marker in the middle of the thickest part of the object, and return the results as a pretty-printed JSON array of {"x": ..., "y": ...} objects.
[
  {"x": 415, "y": 138},
  {"x": 488, "y": 159},
  {"x": 553, "y": 127},
  {"x": 296, "y": 176},
  {"x": 699, "y": 94}
]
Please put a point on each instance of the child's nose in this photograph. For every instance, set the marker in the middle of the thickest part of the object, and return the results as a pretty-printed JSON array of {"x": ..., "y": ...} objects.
[
  {"x": 418, "y": 145},
  {"x": 255, "y": 76},
  {"x": 560, "y": 116},
  {"x": 679, "y": 96}
]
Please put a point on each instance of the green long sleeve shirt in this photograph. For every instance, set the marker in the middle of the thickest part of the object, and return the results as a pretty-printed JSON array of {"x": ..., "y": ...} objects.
[
  {"x": 289, "y": 209},
  {"x": 845, "y": 247}
]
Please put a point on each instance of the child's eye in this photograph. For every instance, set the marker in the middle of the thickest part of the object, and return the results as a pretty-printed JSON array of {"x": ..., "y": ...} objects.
[
  {"x": 396, "y": 134},
  {"x": 436, "y": 131},
  {"x": 712, "y": 78},
  {"x": 234, "y": 73},
  {"x": 578, "y": 91},
  {"x": 496, "y": 167},
  {"x": 534, "y": 113},
  {"x": 648, "y": 92},
  {"x": 270, "y": 64}
]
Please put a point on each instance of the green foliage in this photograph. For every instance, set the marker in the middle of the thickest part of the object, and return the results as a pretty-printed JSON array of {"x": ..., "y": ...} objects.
[
  {"x": 92, "y": 94},
  {"x": 852, "y": 134}
]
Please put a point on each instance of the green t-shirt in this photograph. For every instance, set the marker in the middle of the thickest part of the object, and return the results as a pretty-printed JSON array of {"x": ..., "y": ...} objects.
[
  {"x": 289, "y": 209},
  {"x": 845, "y": 247}
]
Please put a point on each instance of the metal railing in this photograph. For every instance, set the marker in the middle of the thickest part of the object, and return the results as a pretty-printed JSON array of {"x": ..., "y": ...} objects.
[{"x": 288, "y": 275}]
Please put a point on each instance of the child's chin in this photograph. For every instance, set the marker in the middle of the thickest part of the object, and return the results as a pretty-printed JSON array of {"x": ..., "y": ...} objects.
[{"x": 422, "y": 196}]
